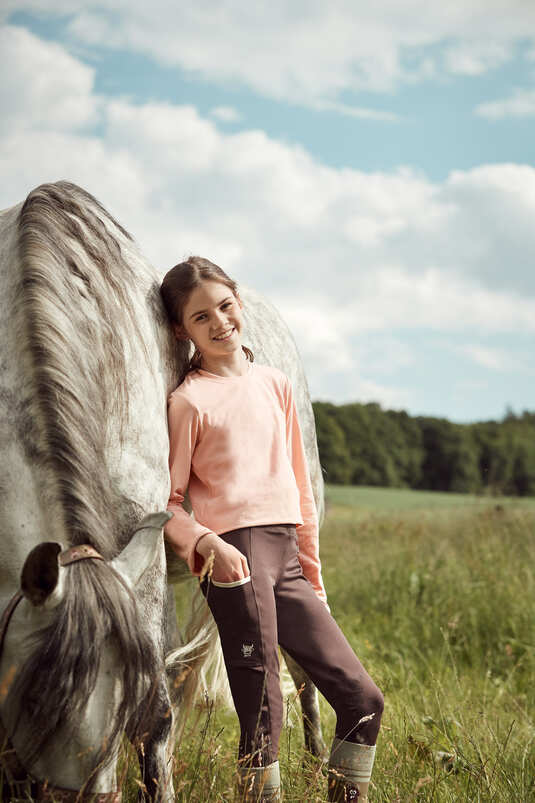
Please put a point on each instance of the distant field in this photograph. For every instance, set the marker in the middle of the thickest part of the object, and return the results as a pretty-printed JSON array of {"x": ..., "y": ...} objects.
[{"x": 366, "y": 498}]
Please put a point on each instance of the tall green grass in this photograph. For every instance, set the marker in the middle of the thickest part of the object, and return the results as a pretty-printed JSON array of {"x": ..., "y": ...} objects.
[{"x": 440, "y": 609}]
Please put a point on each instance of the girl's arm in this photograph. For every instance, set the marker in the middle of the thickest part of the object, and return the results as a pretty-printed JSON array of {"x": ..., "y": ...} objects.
[
  {"x": 182, "y": 531},
  {"x": 308, "y": 532},
  {"x": 192, "y": 541}
]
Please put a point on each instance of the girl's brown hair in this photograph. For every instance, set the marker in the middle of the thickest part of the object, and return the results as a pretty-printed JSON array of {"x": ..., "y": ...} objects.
[{"x": 179, "y": 283}]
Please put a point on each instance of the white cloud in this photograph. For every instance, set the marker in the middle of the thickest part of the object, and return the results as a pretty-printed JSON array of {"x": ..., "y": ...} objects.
[
  {"x": 101, "y": 27},
  {"x": 337, "y": 358},
  {"x": 494, "y": 358},
  {"x": 359, "y": 112},
  {"x": 42, "y": 86},
  {"x": 477, "y": 57},
  {"x": 353, "y": 387},
  {"x": 323, "y": 332},
  {"x": 163, "y": 134},
  {"x": 396, "y": 298},
  {"x": 307, "y": 52},
  {"x": 367, "y": 390},
  {"x": 481, "y": 228},
  {"x": 520, "y": 104},
  {"x": 227, "y": 114}
]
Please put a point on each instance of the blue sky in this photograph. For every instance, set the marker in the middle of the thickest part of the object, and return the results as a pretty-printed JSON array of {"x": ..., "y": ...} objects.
[{"x": 370, "y": 170}]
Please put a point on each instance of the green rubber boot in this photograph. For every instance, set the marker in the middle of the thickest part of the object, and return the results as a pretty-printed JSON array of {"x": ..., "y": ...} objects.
[
  {"x": 259, "y": 784},
  {"x": 350, "y": 769}
]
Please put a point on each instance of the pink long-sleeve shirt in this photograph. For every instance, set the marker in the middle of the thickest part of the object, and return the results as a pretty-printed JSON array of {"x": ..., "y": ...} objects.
[{"x": 236, "y": 447}]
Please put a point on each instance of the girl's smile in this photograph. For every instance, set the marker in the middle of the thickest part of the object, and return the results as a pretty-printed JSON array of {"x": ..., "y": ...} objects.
[
  {"x": 225, "y": 335},
  {"x": 212, "y": 318}
]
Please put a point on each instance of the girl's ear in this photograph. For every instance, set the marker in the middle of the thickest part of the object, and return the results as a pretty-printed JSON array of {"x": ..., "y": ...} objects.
[
  {"x": 180, "y": 332},
  {"x": 240, "y": 302}
]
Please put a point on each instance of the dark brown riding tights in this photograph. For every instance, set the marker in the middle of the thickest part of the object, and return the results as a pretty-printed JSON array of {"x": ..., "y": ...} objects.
[{"x": 279, "y": 606}]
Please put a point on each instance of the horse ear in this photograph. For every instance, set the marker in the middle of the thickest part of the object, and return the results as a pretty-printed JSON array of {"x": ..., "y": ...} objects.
[
  {"x": 142, "y": 549},
  {"x": 41, "y": 573}
]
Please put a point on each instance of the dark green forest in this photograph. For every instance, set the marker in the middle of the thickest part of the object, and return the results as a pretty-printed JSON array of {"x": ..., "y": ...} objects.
[{"x": 362, "y": 444}]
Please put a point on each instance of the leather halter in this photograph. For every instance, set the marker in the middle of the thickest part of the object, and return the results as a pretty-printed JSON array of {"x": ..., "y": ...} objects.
[
  {"x": 42, "y": 791},
  {"x": 76, "y": 553}
]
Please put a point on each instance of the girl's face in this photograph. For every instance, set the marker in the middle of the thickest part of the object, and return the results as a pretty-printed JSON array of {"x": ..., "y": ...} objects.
[{"x": 212, "y": 318}]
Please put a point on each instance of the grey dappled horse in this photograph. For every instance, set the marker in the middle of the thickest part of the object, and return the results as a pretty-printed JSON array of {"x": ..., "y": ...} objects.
[{"x": 86, "y": 364}]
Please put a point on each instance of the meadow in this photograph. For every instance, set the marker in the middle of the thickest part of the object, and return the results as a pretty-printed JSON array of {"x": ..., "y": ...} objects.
[{"x": 435, "y": 593}]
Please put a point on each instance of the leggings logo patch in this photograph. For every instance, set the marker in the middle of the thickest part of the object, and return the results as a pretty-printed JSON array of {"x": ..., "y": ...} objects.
[{"x": 247, "y": 650}]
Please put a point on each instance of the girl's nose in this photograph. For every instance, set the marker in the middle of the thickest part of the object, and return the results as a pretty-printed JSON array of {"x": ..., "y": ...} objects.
[{"x": 219, "y": 317}]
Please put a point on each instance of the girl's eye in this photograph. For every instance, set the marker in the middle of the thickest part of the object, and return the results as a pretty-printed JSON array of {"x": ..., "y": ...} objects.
[
  {"x": 226, "y": 304},
  {"x": 200, "y": 318}
]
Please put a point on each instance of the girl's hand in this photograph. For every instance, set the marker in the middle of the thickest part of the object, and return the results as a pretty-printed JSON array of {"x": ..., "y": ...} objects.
[{"x": 229, "y": 563}]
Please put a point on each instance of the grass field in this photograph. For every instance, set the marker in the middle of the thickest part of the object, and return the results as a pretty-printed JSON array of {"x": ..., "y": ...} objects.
[
  {"x": 435, "y": 593},
  {"x": 387, "y": 500}
]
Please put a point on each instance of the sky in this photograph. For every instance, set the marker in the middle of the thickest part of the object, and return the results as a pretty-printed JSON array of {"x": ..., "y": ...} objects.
[{"x": 368, "y": 167}]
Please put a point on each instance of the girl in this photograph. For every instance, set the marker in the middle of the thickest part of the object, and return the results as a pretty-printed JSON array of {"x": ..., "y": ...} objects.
[{"x": 235, "y": 443}]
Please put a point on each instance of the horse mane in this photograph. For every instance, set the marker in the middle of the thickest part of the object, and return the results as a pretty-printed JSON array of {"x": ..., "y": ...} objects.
[
  {"x": 74, "y": 302},
  {"x": 75, "y": 311}
]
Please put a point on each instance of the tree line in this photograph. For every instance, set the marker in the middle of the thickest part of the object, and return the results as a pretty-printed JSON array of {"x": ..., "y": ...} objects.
[{"x": 362, "y": 444}]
